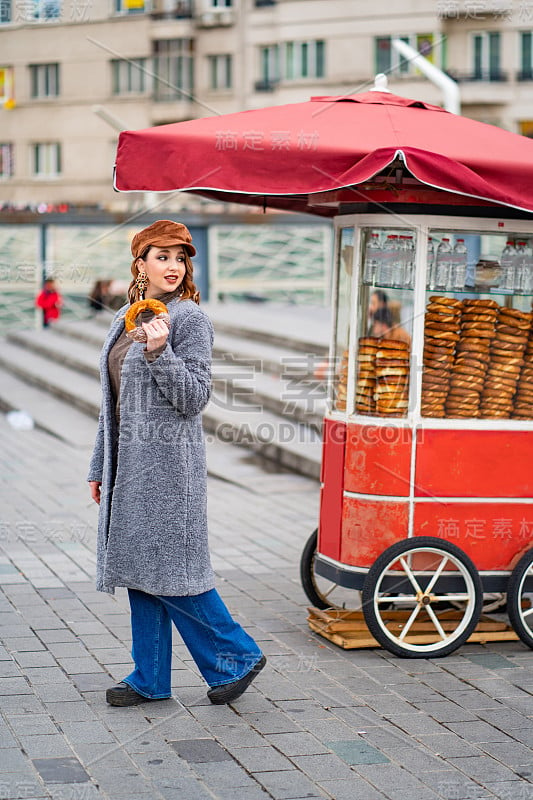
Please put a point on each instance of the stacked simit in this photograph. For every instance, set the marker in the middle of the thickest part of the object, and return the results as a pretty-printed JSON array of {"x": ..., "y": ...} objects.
[{"x": 441, "y": 332}]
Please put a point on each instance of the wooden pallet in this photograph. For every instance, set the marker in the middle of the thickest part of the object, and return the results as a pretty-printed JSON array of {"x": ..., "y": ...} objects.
[{"x": 349, "y": 630}]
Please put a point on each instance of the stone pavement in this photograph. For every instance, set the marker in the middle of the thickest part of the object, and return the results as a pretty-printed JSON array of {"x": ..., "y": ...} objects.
[{"x": 319, "y": 722}]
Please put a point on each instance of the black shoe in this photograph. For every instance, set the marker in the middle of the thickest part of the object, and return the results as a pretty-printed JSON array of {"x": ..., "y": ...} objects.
[
  {"x": 229, "y": 692},
  {"x": 124, "y": 695}
]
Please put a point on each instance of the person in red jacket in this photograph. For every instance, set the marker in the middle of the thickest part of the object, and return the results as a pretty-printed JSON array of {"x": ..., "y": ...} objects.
[{"x": 50, "y": 301}]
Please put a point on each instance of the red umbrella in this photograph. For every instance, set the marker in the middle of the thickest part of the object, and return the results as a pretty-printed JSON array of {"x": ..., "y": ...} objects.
[{"x": 333, "y": 153}]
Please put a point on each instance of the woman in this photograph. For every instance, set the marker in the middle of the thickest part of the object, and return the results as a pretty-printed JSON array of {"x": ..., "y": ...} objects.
[
  {"x": 148, "y": 474},
  {"x": 50, "y": 301}
]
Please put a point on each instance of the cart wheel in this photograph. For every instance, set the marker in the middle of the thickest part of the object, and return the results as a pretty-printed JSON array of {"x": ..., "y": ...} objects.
[
  {"x": 407, "y": 596},
  {"x": 520, "y": 602},
  {"x": 321, "y": 592}
]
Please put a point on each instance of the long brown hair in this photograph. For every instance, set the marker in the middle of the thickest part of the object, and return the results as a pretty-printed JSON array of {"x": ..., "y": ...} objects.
[{"x": 187, "y": 289}]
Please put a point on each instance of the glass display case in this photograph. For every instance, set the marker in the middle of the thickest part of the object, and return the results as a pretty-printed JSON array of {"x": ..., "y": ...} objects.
[{"x": 462, "y": 291}]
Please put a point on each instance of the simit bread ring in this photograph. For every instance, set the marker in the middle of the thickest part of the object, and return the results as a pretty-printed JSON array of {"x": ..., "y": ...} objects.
[
  {"x": 481, "y": 303},
  {"x": 514, "y": 312},
  {"x": 142, "y": 305},
  {"x": 446, "y": 301}
]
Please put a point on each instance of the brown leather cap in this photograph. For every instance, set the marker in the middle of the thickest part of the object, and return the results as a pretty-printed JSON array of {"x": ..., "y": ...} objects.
[{"x": 163, "y": 233}]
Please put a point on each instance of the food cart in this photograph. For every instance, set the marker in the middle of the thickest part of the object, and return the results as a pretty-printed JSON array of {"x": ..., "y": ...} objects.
[
  {"x": 427, "y": 470},
  {"x": 426, "y": 503}
]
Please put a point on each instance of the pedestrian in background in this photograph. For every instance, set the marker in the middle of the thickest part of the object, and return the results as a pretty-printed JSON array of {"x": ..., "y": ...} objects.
[
  {"x": 50, "y": 301},
  {"x": 148, "y": 474}
]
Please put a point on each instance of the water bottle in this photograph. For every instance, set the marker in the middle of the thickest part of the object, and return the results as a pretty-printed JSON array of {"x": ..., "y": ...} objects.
[
  {"x": 373, "y": 255},
  {"x": 388, "y": 261},
  {"x": 430, "y": 274},
  {"x": 508, "y": 263},
  {"x": 460, "y": 259},
  {"x": 400, "y": 263},
  {"x": 409, "y": 268},
  {"x": 443, "y": 265},
  {"x": 520, "y": 268},
  {"x": 526, "y": 280}
]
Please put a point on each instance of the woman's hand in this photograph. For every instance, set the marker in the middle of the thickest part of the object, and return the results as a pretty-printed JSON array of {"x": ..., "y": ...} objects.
[
  {"x": 156, "y": 334},
  {"x": 94, "y": 486}
]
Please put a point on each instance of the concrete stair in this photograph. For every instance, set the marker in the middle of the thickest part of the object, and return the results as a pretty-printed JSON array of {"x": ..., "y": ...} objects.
[{"x": 264, "y": 395}]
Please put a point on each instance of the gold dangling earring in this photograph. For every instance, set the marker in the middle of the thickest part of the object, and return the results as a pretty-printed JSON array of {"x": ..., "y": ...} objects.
[{"x": 141, "y": 284}]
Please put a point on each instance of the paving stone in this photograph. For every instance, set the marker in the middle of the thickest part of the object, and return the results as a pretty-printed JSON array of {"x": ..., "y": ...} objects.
[
  {"x": 324, "y": 766},
  {"x": 15, "y": 686},
  {"x": 60, "y": 770},
  {"x": 44, "y": 746},
  {"x": 477, "y": 732},
  {"x": 483, "y": 768},
  {"x": 33, "y": 658},
  {"x": 79, "y": 666},
  {"x": 261, "y": 759},
  {"x": 15, "y": 785},
  {"x": 196, "y": 751},
  {"x": 271, "y": 722},
  {"x": 92, "y": 682},
  {"x": 287, "y": 785},
  {"x": 448, "y": 745},
  {"x": 444, "y": 711},
  {"x": 64, "y": 692},
  {"x": 491, "y": 661},
  {"x": 356, "y": 788},
  {"x": 30, "y": 725},
  {"x": 70, "y": 711},
  {"x": 298, "y": 744},
  {"x": 357, "y": 751},
  {"x": 223, "y": 775},
  {"x": 53, "y": 675},
  {"x": 76, "y": 791},
  {"x": 12, "y": 760},
  {"x": 88, "y": 732},
  {"x": 509, "y": 790},
  {"x": 505, "y": 719},
  {"x": 513, "y": 754}
]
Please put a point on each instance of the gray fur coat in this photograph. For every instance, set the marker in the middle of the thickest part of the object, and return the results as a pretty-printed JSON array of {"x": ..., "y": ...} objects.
[{"x": 152, "y": 525}]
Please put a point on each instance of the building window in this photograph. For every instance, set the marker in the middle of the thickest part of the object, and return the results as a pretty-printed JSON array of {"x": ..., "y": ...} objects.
[
  {"x": 486, "y": 57},
  {"x": 291, "y": 61},
  {"x": 388, "y": 60},
  {"x": 5, "y": 11},
  {"x": 270, "y": 66},
  {"x": 6, "y": 160},
  {"x": 220, "y": 3},
  {"x": 173, "y": 68},
  {"x": 44, "y": 80},
  {"x": 220, "y": 72},
  {"x": 47, "y": 159},
  {"x": 130, "y": 6},
  {"x": 525, "y": 127},
  {"x": 526, "y": 56},
  {"x": 304, "y": 59},
  {"x": 45, "y": 9},
  {"x": 6, "y": 85},
  {"x": 129, "y": 76}
]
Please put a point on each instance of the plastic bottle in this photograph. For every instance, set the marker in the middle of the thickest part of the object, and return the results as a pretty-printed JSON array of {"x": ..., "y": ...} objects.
[
  {"x": 508, "y": 263},
  {"x": 520, "y": 268},
  {"x": 443, "y": 263},
  {"x": 409, "y": 262},
  {"x": 430, "y": 274},
  {"x": 388, "y": 261},
  {"x": 460, "y": 259},
  {"x": 400, "y": 264},
  {"x": 373, "y": 256},
  {"x": 526, "y": 265}
]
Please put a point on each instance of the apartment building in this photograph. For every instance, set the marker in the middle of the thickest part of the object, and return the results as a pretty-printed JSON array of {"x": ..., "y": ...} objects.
[{"x": 72, "y": 72}]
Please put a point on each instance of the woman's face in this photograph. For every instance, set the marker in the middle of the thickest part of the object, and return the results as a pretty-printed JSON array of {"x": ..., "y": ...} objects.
[{"x": 165, "y": 269}]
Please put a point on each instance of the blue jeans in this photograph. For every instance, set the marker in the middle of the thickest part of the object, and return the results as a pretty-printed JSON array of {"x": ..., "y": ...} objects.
[{"x": 222, "y": 650}]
